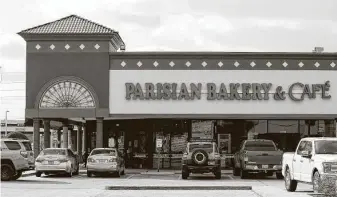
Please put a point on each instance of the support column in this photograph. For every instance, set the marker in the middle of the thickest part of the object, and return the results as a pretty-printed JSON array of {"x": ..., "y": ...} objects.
[
  {"x": 99, "y": 133},
  {"x": 330, "y": 128},
  {"x": 46, "y": 135},
  {"x": 84, "y": 133},
  {"x": 65, "y": 136},
  {"x": 70, "y": 137},
  {"x": 79, "y": 140},
  {"x": 36, "y": 137},
  {"x": 74, "y": 140},
  {"x": 59, "y": 138}
]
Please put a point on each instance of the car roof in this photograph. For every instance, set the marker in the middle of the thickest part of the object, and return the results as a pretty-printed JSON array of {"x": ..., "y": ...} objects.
[{"x": 259, "y": 140}]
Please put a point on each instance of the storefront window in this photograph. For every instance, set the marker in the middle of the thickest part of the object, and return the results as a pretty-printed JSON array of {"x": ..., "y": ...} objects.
[{"x": 283, "y": 126}]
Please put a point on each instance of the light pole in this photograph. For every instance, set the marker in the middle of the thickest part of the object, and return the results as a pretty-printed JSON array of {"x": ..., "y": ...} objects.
[{"x": 6, "y": 123}]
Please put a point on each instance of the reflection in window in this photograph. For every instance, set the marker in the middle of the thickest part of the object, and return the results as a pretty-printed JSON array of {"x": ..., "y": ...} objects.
[
  {"x": 256, "y": 126},
  {"x": 283, "y": 126}
]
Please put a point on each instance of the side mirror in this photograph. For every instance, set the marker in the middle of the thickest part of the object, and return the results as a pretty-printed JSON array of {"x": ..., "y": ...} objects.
[{"x": 306, "y": 154}]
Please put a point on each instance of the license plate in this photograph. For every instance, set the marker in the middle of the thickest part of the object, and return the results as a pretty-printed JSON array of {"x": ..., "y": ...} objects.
[
  {"x": 51, "y": 162},
  {"x": 264, "y": 166},
  {"x": 211, "y": 163},
  {"x": 334, "y": 168},
  {"x": 103, "y": 160}
]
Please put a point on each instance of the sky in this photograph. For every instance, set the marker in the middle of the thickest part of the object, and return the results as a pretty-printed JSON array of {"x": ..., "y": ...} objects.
[{"x": 169, "y": 25}]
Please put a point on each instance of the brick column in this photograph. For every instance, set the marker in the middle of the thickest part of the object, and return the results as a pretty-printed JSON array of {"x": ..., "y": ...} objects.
[
  {"x": 79, "y": 140},
  {"x": 70, "y": 139},
  {"x": 99, "y": 133},
  {"x": 36, "y": 137},
  {"x": 58, "y": 138},
  {"x": 65, "y": 136},
  {"x": 84, "y": 133},
  {"x": 46, "y": 135}
]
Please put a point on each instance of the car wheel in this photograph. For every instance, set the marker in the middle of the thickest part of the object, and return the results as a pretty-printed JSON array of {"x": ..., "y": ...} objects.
[
  {"x": 89, "y": 174},
  {"x": 184, "y": 175},
  {"x": 38, "y": 174},
  {"x": 290, "y": 184},
  {"x": 18, "y": 175},
  {"x": 243, "y": 174},
  {"x": 123, "y": 171},
  {"x": 218, "y": 174},
  {"x": 118, "y": 174},
  {"x": 236, "y": 171},
  {"x": 77, "y": 170},
  {"x": 315, "y": 182},
  {"x": 7, "y": 172},
  {"x": 70, "y": 174},
  {"x": 279, "y": 175}
]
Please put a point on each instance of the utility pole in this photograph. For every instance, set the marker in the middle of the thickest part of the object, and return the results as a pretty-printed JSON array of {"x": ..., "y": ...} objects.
[{"x": 6, "y": 123}]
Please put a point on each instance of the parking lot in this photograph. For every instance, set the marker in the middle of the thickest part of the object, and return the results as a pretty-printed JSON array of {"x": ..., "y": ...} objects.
[{"x": 81, "y": 185}]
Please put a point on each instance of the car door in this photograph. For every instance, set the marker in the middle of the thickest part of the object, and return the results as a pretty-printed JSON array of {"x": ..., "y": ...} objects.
[
  {"x": 297, "y": 160},
  {"x": 306, "y": 163}
]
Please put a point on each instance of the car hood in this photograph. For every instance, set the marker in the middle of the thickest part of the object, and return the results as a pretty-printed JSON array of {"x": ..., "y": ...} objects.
[{"x": 326, "y": 157}]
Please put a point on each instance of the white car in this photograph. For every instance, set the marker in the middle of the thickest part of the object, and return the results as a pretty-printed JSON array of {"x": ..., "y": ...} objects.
[
  {"x": 14, "y": 159},
  {"x": 314, "y": 157},
  {"x": 105, "y": 160},
  {"x": 57, "y": 161}
]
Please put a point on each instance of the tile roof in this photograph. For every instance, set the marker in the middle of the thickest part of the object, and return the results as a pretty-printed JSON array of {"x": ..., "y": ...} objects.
[{"x": 72, "y": 24}]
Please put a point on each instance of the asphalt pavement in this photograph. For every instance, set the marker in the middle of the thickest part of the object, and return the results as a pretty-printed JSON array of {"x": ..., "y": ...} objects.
[{"x": 150, "y": 185}]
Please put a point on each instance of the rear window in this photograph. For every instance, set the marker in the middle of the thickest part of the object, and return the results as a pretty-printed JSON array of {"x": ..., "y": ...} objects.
[
  {"x": 259, "y": 146},
  {"x": 12, "y": 145},
  {"x": 54, "y": 152},
  {"x": 205, "y": 147},
  {"x": 27, "y": 145},
  {"x": 107, "y": 152}
]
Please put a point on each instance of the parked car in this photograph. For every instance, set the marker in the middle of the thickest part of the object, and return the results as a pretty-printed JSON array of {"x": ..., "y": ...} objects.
[
  {"x": 14, "y": 159},
  {"x": 105, "y": 160},
  {"x": 30, "y": 154},
  {"x": 201, "y": 156},
  {"x": 258, "y": 156},
  {"x": 57, "y": 161},
  {"x": 314, "y": 157}
]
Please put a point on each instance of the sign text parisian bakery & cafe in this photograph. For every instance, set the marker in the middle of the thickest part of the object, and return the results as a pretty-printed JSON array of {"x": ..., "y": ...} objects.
[{"x": 232, "y": 91}]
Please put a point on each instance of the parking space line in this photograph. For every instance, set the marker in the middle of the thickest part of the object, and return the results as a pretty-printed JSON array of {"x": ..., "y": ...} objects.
[
  {"x": 131, "y": 176},
  {"x": 230, "y": 177}
]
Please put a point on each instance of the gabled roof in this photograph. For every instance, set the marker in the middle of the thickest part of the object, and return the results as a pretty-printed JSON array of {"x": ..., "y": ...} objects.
[{"x": 72, "y": 24}]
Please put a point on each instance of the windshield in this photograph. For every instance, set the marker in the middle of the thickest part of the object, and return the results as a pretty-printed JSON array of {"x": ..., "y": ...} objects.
[
  {"x": 326, "y": 147},
  {"x": 260, "y": 146},
  {"x": 107, "y": 152},
  {"x": 206, "y": 147},
  {"x": 54, "y": 152}
]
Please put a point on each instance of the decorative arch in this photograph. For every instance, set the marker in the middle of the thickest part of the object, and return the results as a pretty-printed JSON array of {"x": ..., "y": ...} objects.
[{"x": 67, "y": 93}]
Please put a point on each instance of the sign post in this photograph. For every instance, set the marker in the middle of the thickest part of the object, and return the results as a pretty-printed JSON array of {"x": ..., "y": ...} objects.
[{"x": 159, "y": 144}]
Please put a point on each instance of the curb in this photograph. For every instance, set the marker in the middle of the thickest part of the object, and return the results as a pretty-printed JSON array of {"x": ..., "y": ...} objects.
[{"x": 178, "y": 188}]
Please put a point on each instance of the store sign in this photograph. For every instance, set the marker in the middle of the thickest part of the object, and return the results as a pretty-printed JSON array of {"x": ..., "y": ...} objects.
[
  {"x": 234, "y": 91},
  {"x": 159, "y": 143}
]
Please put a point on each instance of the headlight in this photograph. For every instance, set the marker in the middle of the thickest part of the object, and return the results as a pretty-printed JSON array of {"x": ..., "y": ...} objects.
[
  {"x": 91, "y": 160},
  {"x": 39, "y": 160},
  {"x": 326, "y": 167},
  {"x": 112, "y": 160}
]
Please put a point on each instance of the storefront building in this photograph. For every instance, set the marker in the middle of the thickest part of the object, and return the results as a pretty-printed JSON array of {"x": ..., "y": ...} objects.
[{"x": 78, "y": 73}]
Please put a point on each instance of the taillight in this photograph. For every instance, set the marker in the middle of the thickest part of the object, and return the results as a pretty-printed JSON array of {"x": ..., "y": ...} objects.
[
  {"x": 24, "y": 154},
  {"x": 91, "y": 160},
  {"x": 112, "y": 160}
]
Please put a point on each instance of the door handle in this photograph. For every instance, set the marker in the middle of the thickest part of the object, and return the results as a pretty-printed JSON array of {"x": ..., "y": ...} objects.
[
  {"x": 294, "y": 159},
  {"x": 301, "y": 161}
]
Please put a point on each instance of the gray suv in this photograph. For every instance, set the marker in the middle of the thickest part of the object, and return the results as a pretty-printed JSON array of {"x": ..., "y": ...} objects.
[{"x": 201, "y": 156}]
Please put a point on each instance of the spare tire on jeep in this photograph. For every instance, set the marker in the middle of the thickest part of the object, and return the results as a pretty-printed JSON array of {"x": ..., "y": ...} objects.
[{"x": 200, "y": 157}]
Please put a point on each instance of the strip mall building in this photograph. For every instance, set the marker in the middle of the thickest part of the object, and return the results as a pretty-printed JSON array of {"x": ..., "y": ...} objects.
[{"x": 78, "y": 73}]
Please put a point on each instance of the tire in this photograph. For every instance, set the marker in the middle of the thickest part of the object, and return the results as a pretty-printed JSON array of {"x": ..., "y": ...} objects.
[
  {"x": 236, "y": 171},
  {"x": 7, "y": 172},
  {"x": 38, "y": 174},
  {"x": 243, "y": 174},
  {"x": 290, "y": 184},
  {"x": 118, "y": 174},
  {"x": 279, "y": 175},
  {"x": 123, "y": 171},
  {"x": 200, "y": 151},
  {"x": 77, "y": 170},
  {"x": 184, "y": 175},
  {"x": 89, "y": 174},
  {"x": 17, "y": 176},
  {"x": 218, "y": 174},
  {"x": 315, "y": 182}
]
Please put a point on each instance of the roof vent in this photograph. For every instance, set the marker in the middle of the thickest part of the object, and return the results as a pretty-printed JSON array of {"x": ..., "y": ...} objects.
[{"x": 318, "y": 50}]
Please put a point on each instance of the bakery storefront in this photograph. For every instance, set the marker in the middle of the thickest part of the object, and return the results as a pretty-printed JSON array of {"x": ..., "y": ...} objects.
[{"x": 149, "y": 104}]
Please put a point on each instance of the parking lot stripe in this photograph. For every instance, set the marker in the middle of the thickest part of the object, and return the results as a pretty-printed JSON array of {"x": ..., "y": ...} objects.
[
  {"x": 230, "y": 177},
  {"x": 131, "y": 176},
  {"x": 179, "y": 177}
]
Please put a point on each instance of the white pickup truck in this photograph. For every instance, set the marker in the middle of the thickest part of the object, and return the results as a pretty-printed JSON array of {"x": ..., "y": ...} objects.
[{"x": 314, "y": 157}]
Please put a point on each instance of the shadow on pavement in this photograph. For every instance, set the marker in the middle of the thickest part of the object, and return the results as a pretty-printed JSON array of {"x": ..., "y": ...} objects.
[{"x": 39, "y": 182}]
